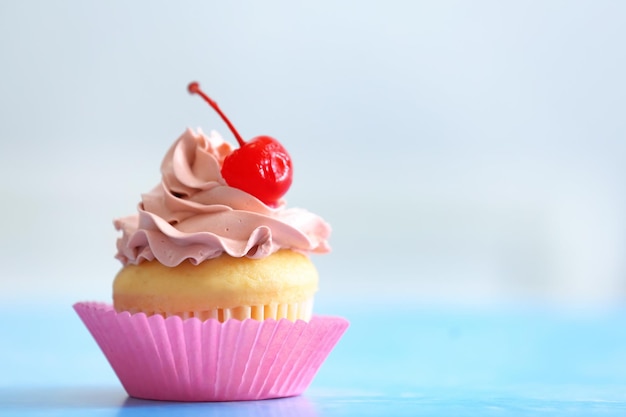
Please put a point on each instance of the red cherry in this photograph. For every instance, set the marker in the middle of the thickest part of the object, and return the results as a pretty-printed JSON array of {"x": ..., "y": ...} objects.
[{"x": 261, "y": 167}]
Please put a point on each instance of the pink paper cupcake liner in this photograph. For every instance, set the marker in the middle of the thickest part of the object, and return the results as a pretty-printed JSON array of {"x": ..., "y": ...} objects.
[{"x": 191, "y": 360}]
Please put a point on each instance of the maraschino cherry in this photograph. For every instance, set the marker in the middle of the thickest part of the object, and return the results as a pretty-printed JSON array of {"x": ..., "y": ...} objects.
[{"x": 261, "y": 166}]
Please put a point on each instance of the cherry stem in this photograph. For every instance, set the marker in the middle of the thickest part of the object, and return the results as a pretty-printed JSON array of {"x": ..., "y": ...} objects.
[{"x": 194, "y": 88}]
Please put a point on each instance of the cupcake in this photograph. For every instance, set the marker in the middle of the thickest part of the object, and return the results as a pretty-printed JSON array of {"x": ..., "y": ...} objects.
[{"x": 214, "y": 300}]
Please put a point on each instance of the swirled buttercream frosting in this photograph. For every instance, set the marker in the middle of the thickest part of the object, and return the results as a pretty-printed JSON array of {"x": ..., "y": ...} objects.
[{"x": 194, "y": 215}]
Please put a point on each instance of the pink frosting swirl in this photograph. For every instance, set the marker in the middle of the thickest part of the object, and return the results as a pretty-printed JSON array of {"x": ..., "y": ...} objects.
[{"x": 193, "y": 214}]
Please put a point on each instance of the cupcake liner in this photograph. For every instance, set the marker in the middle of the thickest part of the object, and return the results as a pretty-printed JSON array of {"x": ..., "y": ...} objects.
[{"x": 191, "y": 360}]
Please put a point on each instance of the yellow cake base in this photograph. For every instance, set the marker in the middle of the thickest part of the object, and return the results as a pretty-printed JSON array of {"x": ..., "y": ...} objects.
[{"x": 281, "y": 285}]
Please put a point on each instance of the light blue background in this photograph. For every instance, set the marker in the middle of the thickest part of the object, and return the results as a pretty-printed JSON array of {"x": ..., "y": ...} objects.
[{"x": 464, "y": 152}]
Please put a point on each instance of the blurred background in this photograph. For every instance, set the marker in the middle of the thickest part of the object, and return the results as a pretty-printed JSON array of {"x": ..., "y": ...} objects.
[{"x": 465, "y": 153}]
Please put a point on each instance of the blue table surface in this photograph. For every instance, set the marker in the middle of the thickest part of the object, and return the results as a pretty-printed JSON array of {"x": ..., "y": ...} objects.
[{"x": 401, "y": 361}]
